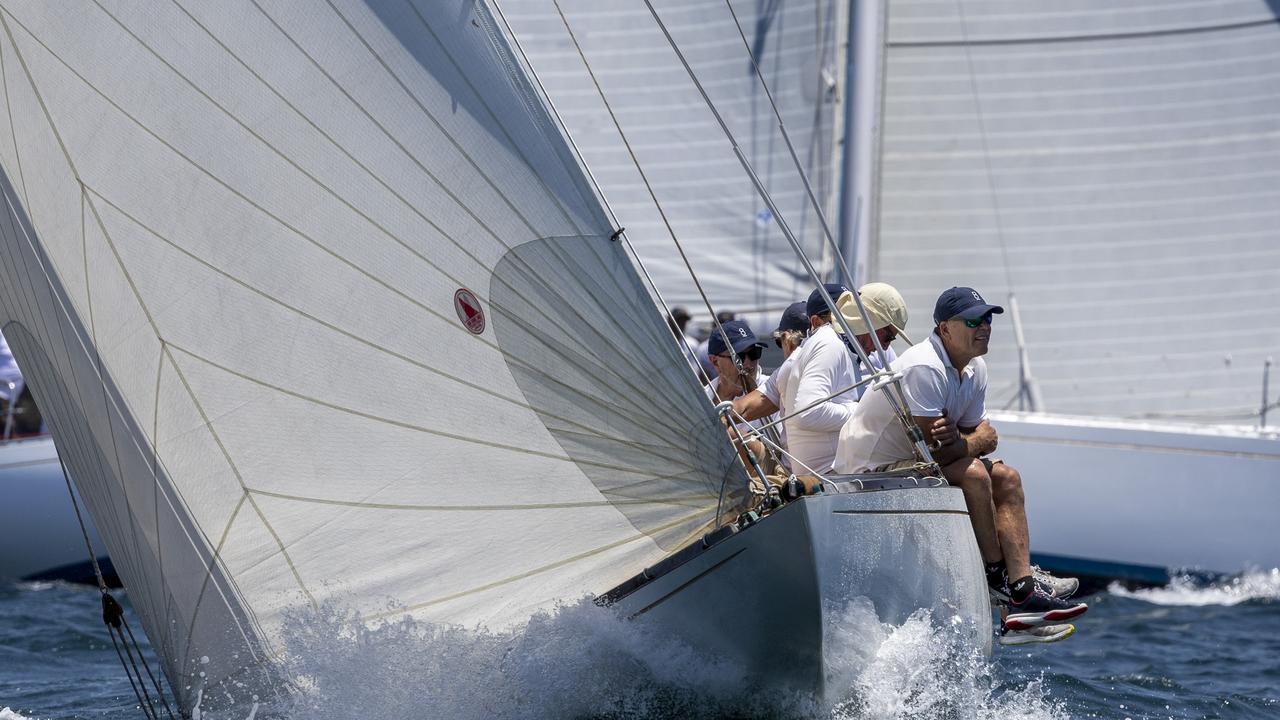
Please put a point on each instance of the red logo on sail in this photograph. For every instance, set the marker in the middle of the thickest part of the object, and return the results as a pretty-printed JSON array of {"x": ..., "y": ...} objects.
[{"x": 469, "y": 311}]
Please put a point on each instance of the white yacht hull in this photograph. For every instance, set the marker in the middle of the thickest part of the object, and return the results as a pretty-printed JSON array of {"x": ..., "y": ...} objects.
[
  {"x": 1130, "y": 499},
  {"x": 39, "y": 535},
  {"x": 774, "y": 597}
]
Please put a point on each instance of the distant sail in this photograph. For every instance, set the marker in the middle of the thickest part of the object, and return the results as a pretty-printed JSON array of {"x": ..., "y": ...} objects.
[
  {"x": 743, "y": 261},
  {"x": 1128, "y": 154},
  {"x": 320, "y": 306}
]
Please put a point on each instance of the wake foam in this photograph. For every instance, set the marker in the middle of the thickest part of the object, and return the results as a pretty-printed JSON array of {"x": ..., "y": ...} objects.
[
  {"x": 581, "y": 660},
  {"x": 924, "y": 669},
  {"x": 7, "y": 714},
  {"x": 1187, "y": 590}
]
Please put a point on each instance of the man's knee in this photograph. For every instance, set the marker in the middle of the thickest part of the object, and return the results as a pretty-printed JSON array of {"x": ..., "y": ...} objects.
[
  {"x": 1006, "y": 483},
  {"x": 966, "y": 472}
]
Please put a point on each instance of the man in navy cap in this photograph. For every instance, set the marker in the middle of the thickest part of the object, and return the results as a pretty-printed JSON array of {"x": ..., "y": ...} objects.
[
  {"x": 738, "y": 372},
  {"x": 944, "y": 380},
  {"x": 792, "y": 328},
  {"x": 730, "y": 382}
]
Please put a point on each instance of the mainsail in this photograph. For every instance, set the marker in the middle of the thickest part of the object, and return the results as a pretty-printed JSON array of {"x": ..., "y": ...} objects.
[
  {"x": 320, "y": 306},
  {"x": 1116, "y": 165},
  {"x": 741, "y": 258}
]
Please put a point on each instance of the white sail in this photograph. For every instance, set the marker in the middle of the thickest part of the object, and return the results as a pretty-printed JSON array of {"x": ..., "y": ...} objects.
[
  {"x": 741, "y": 258},
  {"x": 1115, "y": 164},
  {"x": 319, "y": 306}
]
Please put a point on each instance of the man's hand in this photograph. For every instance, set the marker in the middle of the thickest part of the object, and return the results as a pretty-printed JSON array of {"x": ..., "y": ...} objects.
[
  {"x": 982, "y": 440},
  {"x": 946, "y": 443},
  {"x": 943, "y": 431},
  {"x": 754, "y": 405}
]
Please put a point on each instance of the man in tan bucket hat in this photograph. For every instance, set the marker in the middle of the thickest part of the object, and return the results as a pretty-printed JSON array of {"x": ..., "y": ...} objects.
[{"x": 888, "y": 313}]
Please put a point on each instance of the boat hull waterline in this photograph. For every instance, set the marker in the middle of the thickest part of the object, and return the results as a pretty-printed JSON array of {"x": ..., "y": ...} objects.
[{"x": 774, "y": 597}]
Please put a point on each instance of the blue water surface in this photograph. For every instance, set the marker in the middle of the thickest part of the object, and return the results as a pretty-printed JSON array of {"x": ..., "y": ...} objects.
[{"x": 1185, "y": 651}]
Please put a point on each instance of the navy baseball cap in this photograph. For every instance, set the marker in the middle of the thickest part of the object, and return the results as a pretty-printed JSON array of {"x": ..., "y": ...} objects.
[
  {"x": 740, "y": 335},
  {"x": 816, "y": 305},
  {"x": 962, "y": 302},
  {"x": 793, "y": 318}
]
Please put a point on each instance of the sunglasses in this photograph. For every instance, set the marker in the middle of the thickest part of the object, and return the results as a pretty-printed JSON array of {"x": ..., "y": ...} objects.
[
  {"x": 977, "y": 322},
  {"x": 752, "y": 353}
]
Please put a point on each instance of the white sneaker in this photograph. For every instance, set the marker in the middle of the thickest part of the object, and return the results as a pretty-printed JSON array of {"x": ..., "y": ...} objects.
[
  {"x": 1036, "y": 635},
  {"x": 1061, "y": 588}
]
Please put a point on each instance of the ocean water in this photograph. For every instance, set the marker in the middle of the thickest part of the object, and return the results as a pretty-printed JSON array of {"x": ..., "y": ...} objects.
[{"x": 1189, "y": 650}]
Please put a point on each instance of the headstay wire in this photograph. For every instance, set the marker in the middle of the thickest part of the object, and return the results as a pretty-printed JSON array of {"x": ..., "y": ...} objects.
[
  {"x": 113, "y": 617},
  {"x": 893, "y": 389},
  {"x": 546, "y": 96},
  {"x": 813, "y": 200}
]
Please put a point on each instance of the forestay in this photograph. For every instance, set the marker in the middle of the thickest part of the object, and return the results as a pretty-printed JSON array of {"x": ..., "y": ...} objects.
[
  {"x": 742, "y": 260},
  {"x": 320, "y": 307}
]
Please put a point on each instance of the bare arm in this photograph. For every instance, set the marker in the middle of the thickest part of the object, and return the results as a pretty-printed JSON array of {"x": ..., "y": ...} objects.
[
  {"x": 754, "y": 405},
  {"x": 945, "y": 442},
  {"x": 982, "y": 440}
]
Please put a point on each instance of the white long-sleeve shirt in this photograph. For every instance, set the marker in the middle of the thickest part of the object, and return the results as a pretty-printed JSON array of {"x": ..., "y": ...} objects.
[{"x": 821, "y": 366}]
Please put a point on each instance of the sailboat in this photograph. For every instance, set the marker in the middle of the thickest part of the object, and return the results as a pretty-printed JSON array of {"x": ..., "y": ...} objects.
[
  {"x": 322, "y": 308},
  {"x": 996, "y": 150}
]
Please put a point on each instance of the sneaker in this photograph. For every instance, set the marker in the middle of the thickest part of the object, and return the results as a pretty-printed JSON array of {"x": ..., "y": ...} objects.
[
  {"x": 1041, "y": 608},
  {"x": 1061, "y": 588},
  {"x": 1040, "y": 635}
]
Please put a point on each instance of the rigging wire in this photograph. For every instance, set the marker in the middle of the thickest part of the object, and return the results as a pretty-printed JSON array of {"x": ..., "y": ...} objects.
[
  {"x": 621, "y": 232},
  {"x": 804, "y": 178},
  {"x": 1027, "y": 387},
  {"x": 893, "y": 390},
  {"x": 681, "y": 339},
  {"x": 118, "y": 626},
  {"x": 996, "y": 214}
]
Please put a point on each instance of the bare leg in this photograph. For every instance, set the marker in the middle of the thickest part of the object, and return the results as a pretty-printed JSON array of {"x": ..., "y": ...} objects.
[
  {"x": 971, "y": 477},
  {"x": 1011, "y": 520}
]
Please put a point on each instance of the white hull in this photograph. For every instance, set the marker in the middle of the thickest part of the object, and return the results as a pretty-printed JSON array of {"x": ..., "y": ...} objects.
[
  {"x": 1137, "y": 494},
  {"x": 770, "y": 597},
  {"x": 39, "y": 535}
]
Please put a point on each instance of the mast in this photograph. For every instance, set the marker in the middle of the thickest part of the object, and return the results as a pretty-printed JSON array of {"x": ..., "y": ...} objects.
[{"x": 864, "y": 82}]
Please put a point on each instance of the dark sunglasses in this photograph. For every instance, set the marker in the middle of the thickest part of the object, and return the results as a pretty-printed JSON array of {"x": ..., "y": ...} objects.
[
  {"x": 977, "y": 322},
  {"x": 752, "y": 353}
]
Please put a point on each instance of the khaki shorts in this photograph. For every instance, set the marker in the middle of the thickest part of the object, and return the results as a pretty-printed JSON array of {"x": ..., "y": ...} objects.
[{"x": 987, "y": 462}]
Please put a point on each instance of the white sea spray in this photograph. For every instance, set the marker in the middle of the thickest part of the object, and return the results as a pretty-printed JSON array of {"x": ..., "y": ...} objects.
[
  {"x": 581, "y": 660},
  {"x": 1187, "y": 590},
  {"x": 923, "y": 669}
]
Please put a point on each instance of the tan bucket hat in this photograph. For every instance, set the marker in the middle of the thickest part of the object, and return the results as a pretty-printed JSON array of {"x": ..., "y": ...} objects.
[{"x": 884, "y": 304}]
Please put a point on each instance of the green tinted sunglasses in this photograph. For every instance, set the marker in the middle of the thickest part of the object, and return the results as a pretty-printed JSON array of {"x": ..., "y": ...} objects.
[{"x": 977, "y": 322}]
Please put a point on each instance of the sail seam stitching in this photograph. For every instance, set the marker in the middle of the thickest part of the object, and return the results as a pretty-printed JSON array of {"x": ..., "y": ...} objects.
[
  {"x": 473, "y": 508},
  {"x": 389, "y": 421},
  {"x": 111, "y": 400},
  {"x": 76, "y": 174},
  {"x": 380, "y": 348},
  {"x": 271, "y": 215},
  {"x": 1137, "y": 35},
  {"x": 226, "y": 455},
  {"x": 538, "y": 570}
]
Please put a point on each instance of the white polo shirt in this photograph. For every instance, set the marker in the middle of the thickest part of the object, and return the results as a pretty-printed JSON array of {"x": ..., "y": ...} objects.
[
  {"x": 873, "y": 436},
  {"x": 821, "y": 366}
]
